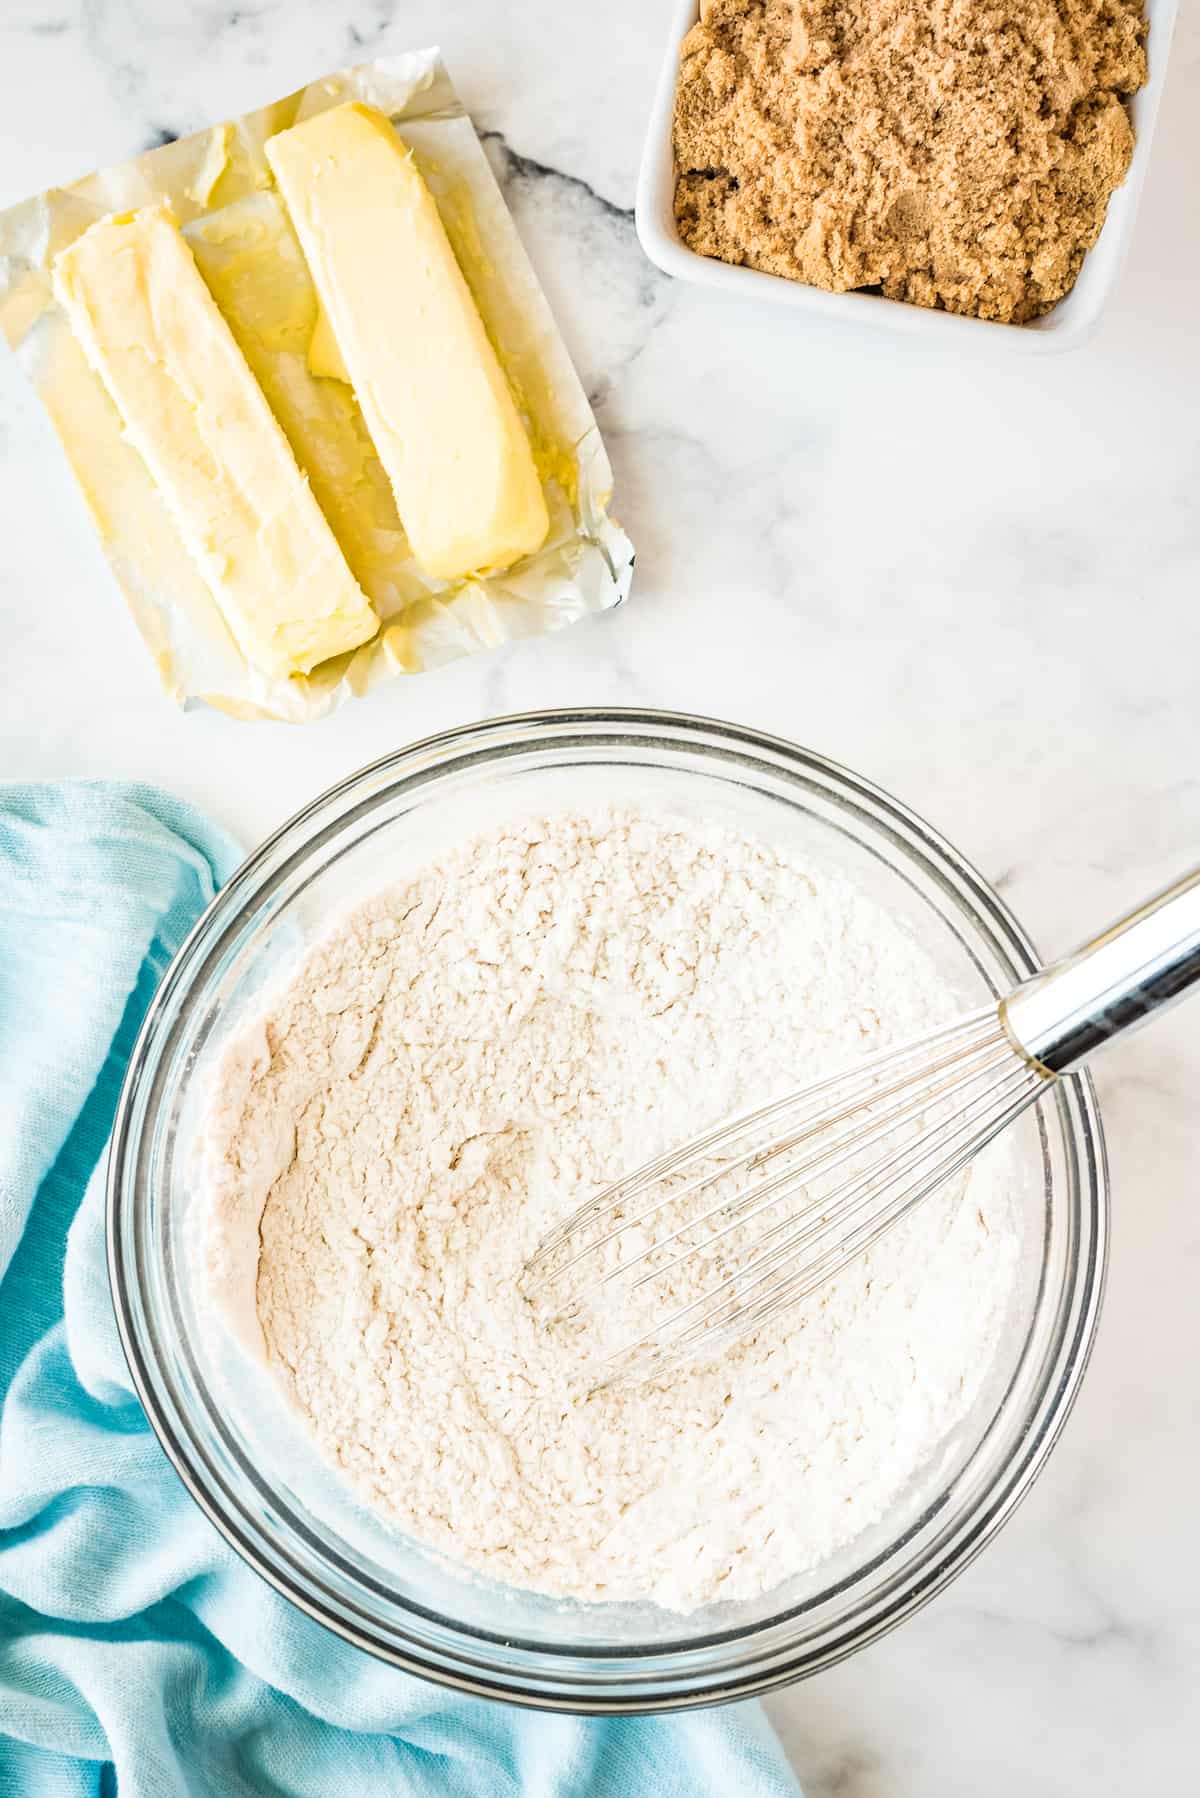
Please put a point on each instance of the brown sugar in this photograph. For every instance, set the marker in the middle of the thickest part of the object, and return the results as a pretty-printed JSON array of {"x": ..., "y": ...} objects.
[{"x": 954, "y": 153}]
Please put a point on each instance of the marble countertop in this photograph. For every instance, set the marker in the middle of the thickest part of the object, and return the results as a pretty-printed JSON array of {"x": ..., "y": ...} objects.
[{"x": 973, "y": 578}]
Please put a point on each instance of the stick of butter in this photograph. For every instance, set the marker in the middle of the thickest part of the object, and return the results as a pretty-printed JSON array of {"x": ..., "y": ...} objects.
[
  {"x": 190, "y": 406},
  {"x": 428, "y": 381}
]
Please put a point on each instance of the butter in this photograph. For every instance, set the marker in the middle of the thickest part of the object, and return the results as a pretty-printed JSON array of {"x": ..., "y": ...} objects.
[
  {"x": 190, "y": 406},
  {"x": 254, "y": 268},
  {"x": 324, "y": 357},
  {"x": 431, "y": 389},
  {"x": 216, "y": 161}
]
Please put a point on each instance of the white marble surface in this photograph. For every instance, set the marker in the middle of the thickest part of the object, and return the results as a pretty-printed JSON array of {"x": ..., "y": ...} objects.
[{"x": 975, "y": 580}]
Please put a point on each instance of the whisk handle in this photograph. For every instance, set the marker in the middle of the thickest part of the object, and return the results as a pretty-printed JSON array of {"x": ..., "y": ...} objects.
[{"x": 1141, "y": 963}]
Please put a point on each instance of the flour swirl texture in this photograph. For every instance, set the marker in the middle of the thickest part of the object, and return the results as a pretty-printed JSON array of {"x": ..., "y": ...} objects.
[{"x": 463, "y": 1059}]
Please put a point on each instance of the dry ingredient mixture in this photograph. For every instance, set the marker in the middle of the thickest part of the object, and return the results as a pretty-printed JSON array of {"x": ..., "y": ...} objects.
[
  {"x": 460, "y": 1063},
  {"x": 954, "y": 153}
]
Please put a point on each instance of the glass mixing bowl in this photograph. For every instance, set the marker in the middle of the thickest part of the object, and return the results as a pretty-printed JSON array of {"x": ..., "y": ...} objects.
[{"x": 221, "y": 1420}]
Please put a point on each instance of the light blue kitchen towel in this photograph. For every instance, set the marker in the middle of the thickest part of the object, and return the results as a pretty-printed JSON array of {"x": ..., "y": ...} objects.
[{"x": 138, "y": 1656}]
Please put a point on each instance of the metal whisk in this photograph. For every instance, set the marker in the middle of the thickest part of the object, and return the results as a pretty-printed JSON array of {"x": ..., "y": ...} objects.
[{"x": 710, "y": 1242}]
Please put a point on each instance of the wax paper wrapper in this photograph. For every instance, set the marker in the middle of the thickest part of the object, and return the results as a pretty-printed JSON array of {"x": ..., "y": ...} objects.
[{"x": 220, "y": 188}]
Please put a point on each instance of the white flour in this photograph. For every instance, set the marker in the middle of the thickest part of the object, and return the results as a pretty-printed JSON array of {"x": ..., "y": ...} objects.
[{"x": 463, "y": 1061}]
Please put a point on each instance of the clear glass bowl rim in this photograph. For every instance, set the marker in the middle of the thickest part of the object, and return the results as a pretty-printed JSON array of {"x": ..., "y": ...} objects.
[{"x": 570, "y": 1678}]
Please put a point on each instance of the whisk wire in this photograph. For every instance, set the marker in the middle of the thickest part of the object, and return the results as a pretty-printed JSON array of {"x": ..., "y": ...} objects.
[
  {"x": 708, "y": 1334},
  {"x": 844, "y": 1147},
  {"x": 864, "y": 1193},
  {"x": 863, "y": 1077},
  {"x": 842, "y": 1162},
  {"x": 789, "y": 1195},
  {"x": 547, "y": 1268},
  {"x": 794, "y": 1291}
]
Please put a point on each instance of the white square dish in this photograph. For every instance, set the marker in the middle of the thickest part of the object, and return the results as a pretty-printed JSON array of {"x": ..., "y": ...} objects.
[{"x": 1065, "y": 326}]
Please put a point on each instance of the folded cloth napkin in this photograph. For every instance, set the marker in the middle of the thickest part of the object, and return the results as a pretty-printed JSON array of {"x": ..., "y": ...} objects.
[{"x": 138, "y": 1656}]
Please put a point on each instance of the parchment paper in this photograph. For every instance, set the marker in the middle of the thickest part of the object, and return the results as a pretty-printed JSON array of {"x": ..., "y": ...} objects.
[{"x": 220, "y": 189}]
